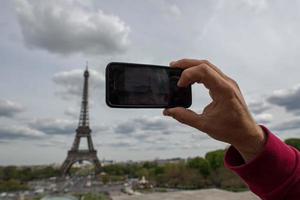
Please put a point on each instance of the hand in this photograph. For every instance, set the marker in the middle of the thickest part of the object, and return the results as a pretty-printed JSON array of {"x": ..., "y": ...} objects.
[{"x": 227, "y": 117}]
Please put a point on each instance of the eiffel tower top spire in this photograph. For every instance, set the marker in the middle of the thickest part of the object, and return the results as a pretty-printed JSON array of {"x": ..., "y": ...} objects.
[{"x": 84, "y": 112}]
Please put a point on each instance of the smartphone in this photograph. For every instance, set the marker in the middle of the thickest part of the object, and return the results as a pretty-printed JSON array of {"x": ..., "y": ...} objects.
[{"x": 131, "y": 85}]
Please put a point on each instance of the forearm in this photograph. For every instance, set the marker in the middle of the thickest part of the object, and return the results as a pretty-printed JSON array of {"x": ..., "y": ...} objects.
[
  {"x": 252, "y": 145},
  {"x": 272, "y": 174}
]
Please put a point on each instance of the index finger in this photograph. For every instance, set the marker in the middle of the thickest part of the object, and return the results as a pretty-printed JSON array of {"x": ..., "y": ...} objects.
[
  {"x": 187, "y": 63},
  {"x": 206, "y": 75}
]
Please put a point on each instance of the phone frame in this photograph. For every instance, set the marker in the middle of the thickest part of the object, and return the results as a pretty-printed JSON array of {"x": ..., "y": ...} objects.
[{"x": 107, "y": 81}]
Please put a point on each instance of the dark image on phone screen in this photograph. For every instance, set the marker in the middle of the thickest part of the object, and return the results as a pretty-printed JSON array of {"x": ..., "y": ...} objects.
[{"x": 131, "y": 85}]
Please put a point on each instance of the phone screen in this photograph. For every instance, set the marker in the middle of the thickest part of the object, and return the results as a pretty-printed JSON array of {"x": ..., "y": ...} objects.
[{"x": 144, "y": 86}]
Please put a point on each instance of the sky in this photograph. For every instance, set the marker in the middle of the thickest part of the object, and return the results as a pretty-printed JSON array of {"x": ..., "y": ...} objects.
[{"x": 44, "y": 47}]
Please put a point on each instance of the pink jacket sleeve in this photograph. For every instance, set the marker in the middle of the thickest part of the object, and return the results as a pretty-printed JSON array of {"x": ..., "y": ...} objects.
[{"x": 273, "y": 174}]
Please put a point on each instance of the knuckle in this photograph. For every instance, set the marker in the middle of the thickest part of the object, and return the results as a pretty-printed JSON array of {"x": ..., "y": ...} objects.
[
  {"x": 233, "y": 81},
  {"x": 206, "y": 62},
  {"x": 178, "y": 117},
  {"x": 229, "y": 90},
  {"x": 187, "y": 74},
  {"x": 204, "y": 68},
  {"x": 234, "y": 84},
  {"x": 183, "y": 60}
]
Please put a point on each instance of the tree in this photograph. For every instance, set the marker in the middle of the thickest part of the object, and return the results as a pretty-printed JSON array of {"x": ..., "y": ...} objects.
[
  {"x": 149, "y": 165},
  {"x": 143, "y": 172},
  {"x": 10, "y": 172},
  {"x": 200, "y": 164},
  {"x": 215, "y": 158},
  {"x": 295, "y": 142},
  {"x": 178, "y": 175},
  {"x": 159, "y": 170},
  {"x": 26, "y": 174}
]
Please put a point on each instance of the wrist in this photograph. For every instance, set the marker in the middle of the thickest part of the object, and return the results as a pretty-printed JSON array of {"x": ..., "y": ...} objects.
[{"x": 253, "y": 144}]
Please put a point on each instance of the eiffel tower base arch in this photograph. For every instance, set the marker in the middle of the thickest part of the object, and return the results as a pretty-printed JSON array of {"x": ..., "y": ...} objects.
[{"x": 78, "y": 156}]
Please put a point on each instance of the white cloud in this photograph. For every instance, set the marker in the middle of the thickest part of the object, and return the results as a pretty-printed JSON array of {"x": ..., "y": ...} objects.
[
  {"x": 174, "y": 10},
  {"x": 9, "y": 108},
  {"x": 67, "y": 27},
  {"x": 257, "y": 5}
]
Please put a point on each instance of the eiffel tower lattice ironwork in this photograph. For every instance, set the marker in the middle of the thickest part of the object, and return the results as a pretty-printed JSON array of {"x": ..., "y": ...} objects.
[{"x": 83, "y": 131}]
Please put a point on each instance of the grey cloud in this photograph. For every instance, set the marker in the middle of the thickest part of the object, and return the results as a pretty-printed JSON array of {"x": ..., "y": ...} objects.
[
  {"x": 287, "y": 125},
  {"x": 67, "y": 27},
  {"x": 141, "y": 125},
  {"x": 54, "y": 126},
  {"x": 144, "y": 127},
  {"x": 52, "y": 143},
  {"x": 187, "y": 143},
  {"x": 159, "y": 148},
  {"x": 126, "y": 143},
  {"x": 167, "y": 132},
  {"x": 72, "y": 113},
  {"x": 149, "y": 130},
  {"x": 287, "y": 98},
  {"x": 17, "y": 132},
  {"x": 9, "y": 108},
  {"x": 142, "y": 136},
  {"x": 125, "y": 128},
  {"x": 100, "y": 128},
  {"x": 258, "y": 107},
  {"x": 71, "y": 82},
  {"x": 121, "y": 144},
  {"x": 151, "y": 123}
]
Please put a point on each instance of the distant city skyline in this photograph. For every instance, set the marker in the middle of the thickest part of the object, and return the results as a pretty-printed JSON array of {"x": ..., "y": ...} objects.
[{"x": 44, "y": 46}]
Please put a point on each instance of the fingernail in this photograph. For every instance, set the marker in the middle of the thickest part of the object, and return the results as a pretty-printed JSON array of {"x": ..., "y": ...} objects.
[
  {"x": 179, "y": 83},
  {"x": 166, "y": 113},
  {"x": 172, "y": 63}
]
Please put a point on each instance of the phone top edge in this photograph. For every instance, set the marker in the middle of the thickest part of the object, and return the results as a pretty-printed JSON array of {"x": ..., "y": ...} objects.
[
  {"x": 139, "y": 64},
  {"x": 144, "y": 107}
]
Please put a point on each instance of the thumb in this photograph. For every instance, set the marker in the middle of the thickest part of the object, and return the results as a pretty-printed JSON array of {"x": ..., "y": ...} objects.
[{"x": 185, "y": 116}]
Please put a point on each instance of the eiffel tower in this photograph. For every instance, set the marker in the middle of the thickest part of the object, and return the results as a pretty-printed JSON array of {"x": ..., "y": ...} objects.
[{"x": 83, "y": 131}]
